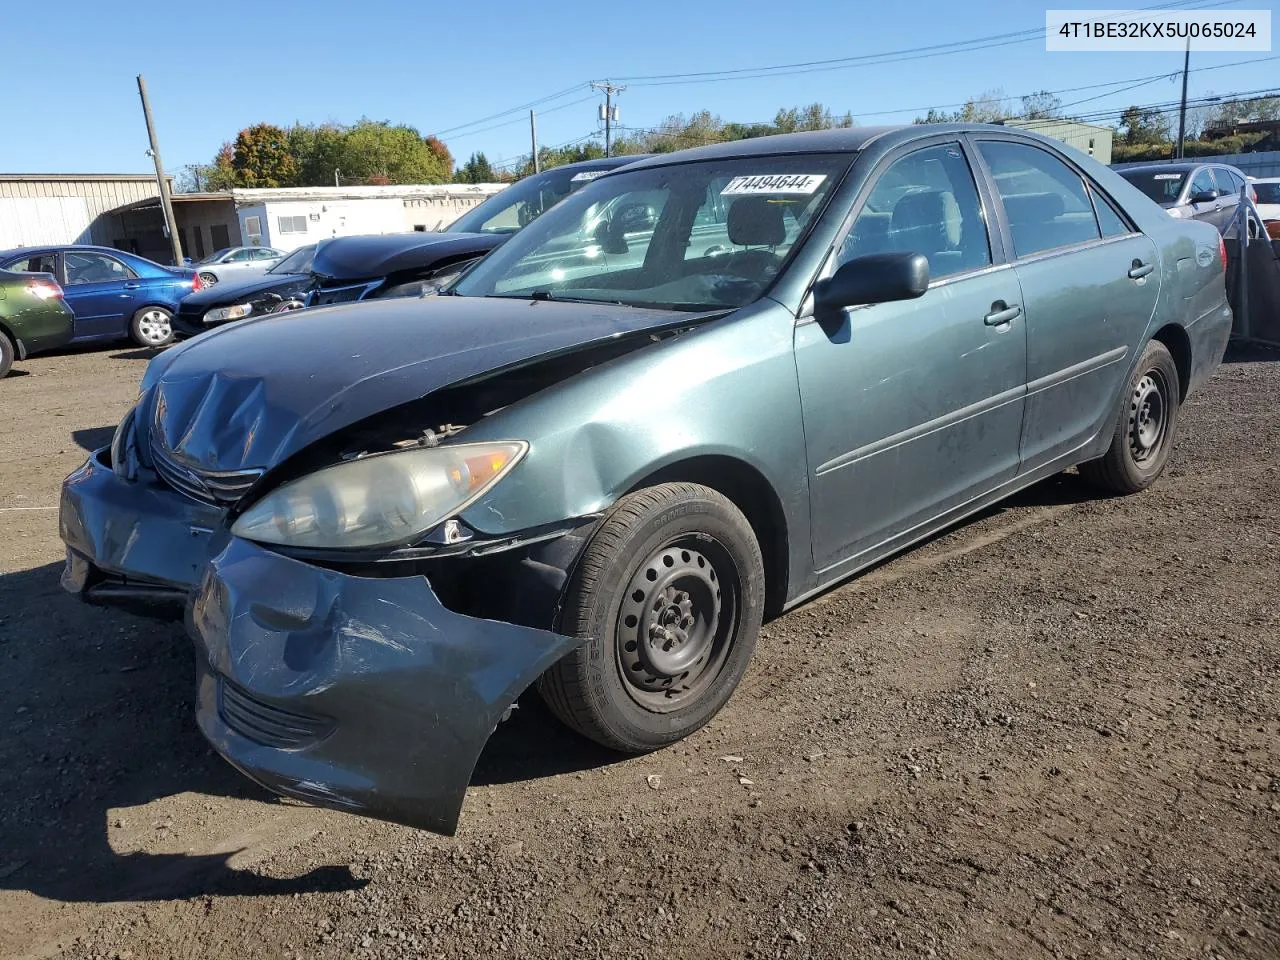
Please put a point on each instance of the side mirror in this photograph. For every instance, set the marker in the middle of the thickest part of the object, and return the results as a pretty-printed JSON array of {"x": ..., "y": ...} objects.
[
  {"x": 875, "y": 278},
  {"x": 1205, "y": 196},
  {"x": 635, "y": 217}
]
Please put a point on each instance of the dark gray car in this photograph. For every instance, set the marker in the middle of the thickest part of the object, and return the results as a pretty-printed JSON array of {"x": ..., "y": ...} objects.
[
  {"x": 617, "y": 445},
  {"x": 1209, "y": 192}
]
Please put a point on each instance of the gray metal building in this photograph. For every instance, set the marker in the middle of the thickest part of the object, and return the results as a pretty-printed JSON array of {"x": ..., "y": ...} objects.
[
  {"x": 67, "y": 207},
  {"x": 1086, "y": 137}
]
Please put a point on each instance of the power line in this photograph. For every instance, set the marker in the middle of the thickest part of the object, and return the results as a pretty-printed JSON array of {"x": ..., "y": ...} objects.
[
  {"x": 522, "y": 107},
  {"x": 972, "y": 44},
  {"x": 508, "y": 123}
]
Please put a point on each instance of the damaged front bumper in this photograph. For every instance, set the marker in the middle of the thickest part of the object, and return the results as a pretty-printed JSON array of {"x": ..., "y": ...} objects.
[
  {"x": 363, "y": 694},
  {"x": 130, "y": 542},
  {"x": 359, "y": 693}
]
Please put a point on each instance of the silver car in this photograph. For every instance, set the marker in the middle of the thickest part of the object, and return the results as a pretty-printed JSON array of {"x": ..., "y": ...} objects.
[
  {"x": 1190, "y": 190},
  {"x": 237, "y": 263}
]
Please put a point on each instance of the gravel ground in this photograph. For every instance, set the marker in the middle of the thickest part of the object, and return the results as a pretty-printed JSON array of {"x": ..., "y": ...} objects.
[{"x": 1052, "y": 732}]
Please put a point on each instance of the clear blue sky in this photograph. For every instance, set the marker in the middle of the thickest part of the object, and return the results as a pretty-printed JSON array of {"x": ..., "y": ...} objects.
[{"x": 72, "y": 104}]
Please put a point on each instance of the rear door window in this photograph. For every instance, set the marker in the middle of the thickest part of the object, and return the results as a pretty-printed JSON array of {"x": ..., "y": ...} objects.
[
  {"x": 38, "y": 263},
  {"x": 1045, "y": 201}
]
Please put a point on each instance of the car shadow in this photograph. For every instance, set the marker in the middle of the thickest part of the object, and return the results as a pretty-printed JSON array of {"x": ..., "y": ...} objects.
[
  {"x": 1251, "y": 351},
  {"x": 17, "y": 372},
  {"x": 95, "y": 723},
  {"x": 142, "y": 353},
  {"x": 93, "y": 438}
]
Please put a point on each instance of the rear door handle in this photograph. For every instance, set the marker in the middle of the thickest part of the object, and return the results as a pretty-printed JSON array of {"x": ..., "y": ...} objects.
[
  {"x": 1140, "y": 269},
  {"x": 1001, "y": 314}
]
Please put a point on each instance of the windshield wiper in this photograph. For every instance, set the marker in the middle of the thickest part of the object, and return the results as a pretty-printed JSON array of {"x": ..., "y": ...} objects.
[{"x": 541, "y": 295}]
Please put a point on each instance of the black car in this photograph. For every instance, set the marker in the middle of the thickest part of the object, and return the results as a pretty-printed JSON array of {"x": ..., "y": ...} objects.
[
  {"x": 281, "y": 288},
  {"x": 400, "y": 265}
]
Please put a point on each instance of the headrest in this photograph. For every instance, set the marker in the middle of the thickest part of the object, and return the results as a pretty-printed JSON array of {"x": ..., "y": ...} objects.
[
  {"x": 754, "y": 221},
  {"x": 1034, "y": 207},
  {"x": 926, "y": 222}
]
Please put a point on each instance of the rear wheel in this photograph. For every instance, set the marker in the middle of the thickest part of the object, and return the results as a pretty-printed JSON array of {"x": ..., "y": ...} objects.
[
  {"x": 1146, "y": 424},
  {"x": 152, "y": 327},
  {"x": 668, "y": 596},
  {"x": 7, "y": 354}
]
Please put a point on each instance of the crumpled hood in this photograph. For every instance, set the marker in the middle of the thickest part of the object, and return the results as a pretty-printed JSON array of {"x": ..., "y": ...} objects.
[
  {"x": 237, "y": 291},
  {"x": 359, "y": 257},
  {"x": 251, "y": 394}
]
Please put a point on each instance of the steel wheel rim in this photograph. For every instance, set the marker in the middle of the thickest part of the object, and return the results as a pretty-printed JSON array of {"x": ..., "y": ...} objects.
[
  {"x": 153, "y": 327},
  {"x": 1148, "y": 416},
  {"x": 676, "y": 622},
  {"x": 208, "y": 279}
]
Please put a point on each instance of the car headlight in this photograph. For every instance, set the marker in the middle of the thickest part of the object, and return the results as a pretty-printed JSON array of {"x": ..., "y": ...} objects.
[
  {"x": 237, "y": 312},
  {"x": 381, "y": 500}
]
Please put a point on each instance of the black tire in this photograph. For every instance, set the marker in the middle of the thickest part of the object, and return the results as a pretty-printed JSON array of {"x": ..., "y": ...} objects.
[
  {"x": 7, "y": 354},
  {"x": 668, "y": 597},
  {"x": 1145, "y": 429},
  {"x": 152, "y": 326}
]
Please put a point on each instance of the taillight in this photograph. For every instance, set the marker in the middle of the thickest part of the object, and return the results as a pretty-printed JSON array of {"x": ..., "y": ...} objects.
[
  {"x": 1222, "y": 253},
  {"x": 196, "y": 283},
  {"x": 44, "y": 289}
]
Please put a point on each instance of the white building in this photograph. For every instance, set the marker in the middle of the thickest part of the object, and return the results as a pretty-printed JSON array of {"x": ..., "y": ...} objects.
[
  {"x": 291, "y": 217},
  {"x": 123, "y": 211}
]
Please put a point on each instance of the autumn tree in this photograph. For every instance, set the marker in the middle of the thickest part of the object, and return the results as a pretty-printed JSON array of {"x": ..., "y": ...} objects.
[{"x": 261, "y": 157}]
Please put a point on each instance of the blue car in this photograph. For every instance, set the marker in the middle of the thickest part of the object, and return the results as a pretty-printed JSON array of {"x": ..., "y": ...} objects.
[{"x": 113, "y": 294}]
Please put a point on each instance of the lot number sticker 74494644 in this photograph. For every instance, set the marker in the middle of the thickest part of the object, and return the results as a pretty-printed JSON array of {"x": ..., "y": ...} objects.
[{"x": 803, "y": 183}]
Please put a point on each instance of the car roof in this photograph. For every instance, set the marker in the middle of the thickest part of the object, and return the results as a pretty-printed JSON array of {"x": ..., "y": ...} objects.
[
  {"x": 841, "y": 140},
  {"x": 65, "y": 248},
  {"x": 602, "y": 163},
  {"x": 1178, "y": 166}
]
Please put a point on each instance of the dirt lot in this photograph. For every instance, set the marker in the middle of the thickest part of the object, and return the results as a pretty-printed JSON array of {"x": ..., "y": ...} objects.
[{"x": 1053, "y": 732}]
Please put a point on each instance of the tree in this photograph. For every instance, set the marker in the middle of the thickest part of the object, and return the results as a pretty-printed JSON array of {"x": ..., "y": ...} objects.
[
  {"x": 261, "y": 158},
  {"x": 1142, "y": 125},
  {"x": 378, "y": 151},
  {"x": 1041, "y": 106},
  {"x": 478, "y": 169}
]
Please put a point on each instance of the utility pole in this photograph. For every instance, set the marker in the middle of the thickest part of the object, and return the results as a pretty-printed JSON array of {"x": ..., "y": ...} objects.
[
  {"x": 1182, "y": 110},
  {"x": 533, "y": 139},
  {"x": 166, "y": 203},
  {"x": 608, "y": 112}
]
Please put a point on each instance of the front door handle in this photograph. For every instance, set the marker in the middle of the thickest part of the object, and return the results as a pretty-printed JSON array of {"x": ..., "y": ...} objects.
[
  {"x": 1001, "y": 314},
  {"x": 132, "y": 286},
  {"x": 1140, "y": 269}
]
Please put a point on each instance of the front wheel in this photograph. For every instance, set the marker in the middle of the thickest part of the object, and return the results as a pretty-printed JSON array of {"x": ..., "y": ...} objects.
[
  {"x": 152, "y": 327},
  {"x": 668, "y": 597},
  {"x": 208, "y": 279},
  {"x": 7, "y": 354},
  {"x": 1145, "y": 426}
]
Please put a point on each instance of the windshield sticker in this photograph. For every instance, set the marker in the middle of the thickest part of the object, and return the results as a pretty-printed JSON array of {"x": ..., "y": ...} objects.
[
  {"x": 586, "y": 175},
  {"x": 803, "y": 183},
  {"x": 1168, "y": 176}
]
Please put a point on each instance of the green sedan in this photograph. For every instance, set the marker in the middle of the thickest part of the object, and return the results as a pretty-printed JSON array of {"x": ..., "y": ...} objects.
[
  {"x": 688, "y": 397},
  {"x": 33, "y": 317}
]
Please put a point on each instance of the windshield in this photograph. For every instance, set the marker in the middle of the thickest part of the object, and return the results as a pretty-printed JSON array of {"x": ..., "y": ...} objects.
[
  {"x": 216, "y": 255},
  {"x": 520, "y": 204},
  {"x": 1160, "y": 187},
  {"x": 297, "y": 262},
  {"x": 696, "y": 236},
  {"x": 1267, "y": 192}
]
